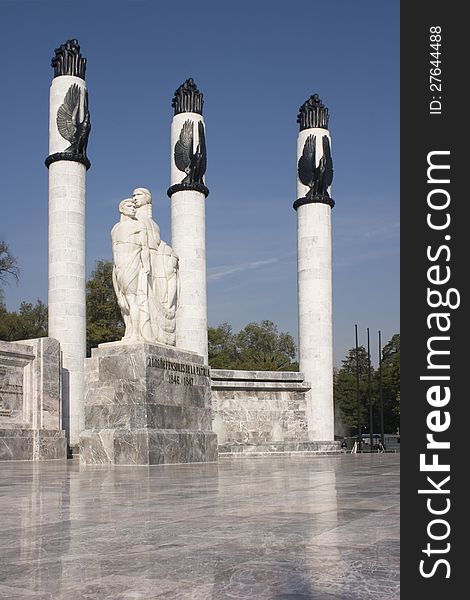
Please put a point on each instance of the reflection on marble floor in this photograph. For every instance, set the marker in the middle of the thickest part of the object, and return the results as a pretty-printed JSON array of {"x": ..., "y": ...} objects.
[{"x": 322, "y": 528}]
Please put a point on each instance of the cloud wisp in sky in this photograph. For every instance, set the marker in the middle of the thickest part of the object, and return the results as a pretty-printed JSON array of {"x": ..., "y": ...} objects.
[{"x": 217, "y": 273}]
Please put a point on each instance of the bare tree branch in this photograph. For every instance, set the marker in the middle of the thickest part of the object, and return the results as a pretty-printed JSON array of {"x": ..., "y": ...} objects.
[{"x": 8, "y": 264}]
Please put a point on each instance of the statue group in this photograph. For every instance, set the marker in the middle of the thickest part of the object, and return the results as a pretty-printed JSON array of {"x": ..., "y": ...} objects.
[{"x": 145, "y": 273}]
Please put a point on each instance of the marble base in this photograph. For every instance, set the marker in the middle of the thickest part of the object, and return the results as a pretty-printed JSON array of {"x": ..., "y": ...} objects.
[
  {"x": 146, "y": 404},
  {"x": 32, "y": 444},
  {"x": 147, "y": 446},
  {"x": 30, "y": 415},
  {"x": 293, "y": 448},
  {"x": 260, "y": 411}
]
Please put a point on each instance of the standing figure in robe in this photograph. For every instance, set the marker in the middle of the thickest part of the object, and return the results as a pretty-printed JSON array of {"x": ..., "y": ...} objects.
[
  {"x": 131, "y": 270},
  {"x": 164, "y": 278}
]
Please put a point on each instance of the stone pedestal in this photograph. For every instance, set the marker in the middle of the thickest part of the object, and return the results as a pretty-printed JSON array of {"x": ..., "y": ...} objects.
[{"x": 146, "y": 404}]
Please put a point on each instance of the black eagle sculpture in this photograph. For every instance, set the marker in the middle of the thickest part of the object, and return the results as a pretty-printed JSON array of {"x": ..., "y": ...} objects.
[
  {"x": 190, "y": 161},
  {"x": 317, "y": 177},
  {"x": 74, "y": 125}
]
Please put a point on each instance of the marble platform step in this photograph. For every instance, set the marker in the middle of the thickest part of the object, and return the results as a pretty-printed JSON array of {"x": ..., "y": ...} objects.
[
  {"x": 224, "y": 379},
  {"x": 239, "y": 375},
  {"x": 121, "y": 446},
  {"x": 287, "y": 448}
]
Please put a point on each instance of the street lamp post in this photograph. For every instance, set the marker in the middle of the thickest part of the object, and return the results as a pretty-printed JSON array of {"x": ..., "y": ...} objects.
[
  {"x": 382, "y": 437},
  {"x": 359, "y": 432},
  {"x": 371, "y": 433}
]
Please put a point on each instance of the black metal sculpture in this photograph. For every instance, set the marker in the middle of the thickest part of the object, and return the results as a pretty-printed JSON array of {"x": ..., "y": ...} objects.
[
  {"x": 73, "y": 123},
  {"x": 188, "y": 98},
  {"x": 313, "y": 113},
  {"x": 67, "y": 60},
  {"x": 317, "y": 177},
  {"x": 73, "y": 126},
  {"x": 189, "y": 161}
]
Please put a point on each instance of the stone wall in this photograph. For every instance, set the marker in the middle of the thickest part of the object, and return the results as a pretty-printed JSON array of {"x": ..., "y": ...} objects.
[
  {"x": 261, "y": 412},
  {"x": 257, "y": 407},
  {"x": 30, "y": 415}
]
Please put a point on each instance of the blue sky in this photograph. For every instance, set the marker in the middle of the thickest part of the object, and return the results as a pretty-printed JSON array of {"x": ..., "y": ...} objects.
[{"x": 256, "y": 63}]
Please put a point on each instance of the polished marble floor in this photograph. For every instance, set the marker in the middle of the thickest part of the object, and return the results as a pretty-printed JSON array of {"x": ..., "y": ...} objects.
[{"x": 307, "y": 528}]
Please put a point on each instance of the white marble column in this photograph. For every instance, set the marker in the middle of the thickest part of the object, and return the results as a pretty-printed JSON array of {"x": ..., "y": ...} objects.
[
  {"x": 188, "y": 223},
  {"x": 67, "y": 179},
  {"x": 315, "y": 276}
]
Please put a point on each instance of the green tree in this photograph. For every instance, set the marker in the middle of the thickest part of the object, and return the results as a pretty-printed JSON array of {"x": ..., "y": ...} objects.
[
  {"x": 8, "y": 267},
  {"x": 345, "y": 396},
  {"x": 28, "y": 323},
  {"x": 261, "y": 347},
  {"x": 257, "y": 347},
  {"x": 104, "y": 320},
  {"x": 391, "y": 383},
  {"x": 345, "y": 392},
  {"x": 222, "y": 347}
]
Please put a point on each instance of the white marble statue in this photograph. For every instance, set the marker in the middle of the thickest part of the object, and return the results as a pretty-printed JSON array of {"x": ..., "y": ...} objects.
[
  {"x": 142, "y": 279},
  {"x": 164, "y": 262}
]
